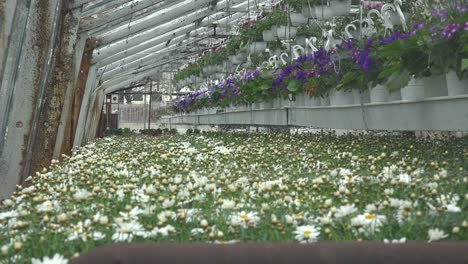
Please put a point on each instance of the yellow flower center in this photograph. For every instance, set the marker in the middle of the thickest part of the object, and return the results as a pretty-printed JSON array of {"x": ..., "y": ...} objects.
[
  {"x": 244, "y": 216},
  {"x": 298, "y": 215},
  {"x": 369, "y": 216},
  {"x": 307, "y": 233}
]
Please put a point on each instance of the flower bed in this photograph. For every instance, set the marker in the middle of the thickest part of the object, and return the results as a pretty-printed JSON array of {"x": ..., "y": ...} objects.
[{"x": 222, "y": 188}]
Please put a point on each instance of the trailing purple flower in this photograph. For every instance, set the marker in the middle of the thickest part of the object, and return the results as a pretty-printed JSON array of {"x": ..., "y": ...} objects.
[{"x": 450, "y": 30}]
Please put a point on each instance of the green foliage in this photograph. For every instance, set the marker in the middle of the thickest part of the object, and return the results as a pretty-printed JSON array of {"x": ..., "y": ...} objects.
[
  {"x": 294, "y": 86},
  {"x": 258, "y": 59},
  {"x": 310, "y": 30},
  {"x": 119, "y": 132},
  {"x": 298, "y": 5},
  {"x": 256, "y": 90},
  {"x": 151, "y": 132},
  {"x": 192, "y": 70}
]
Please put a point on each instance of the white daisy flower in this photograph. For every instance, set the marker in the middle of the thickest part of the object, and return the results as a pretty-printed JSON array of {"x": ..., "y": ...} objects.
[
  {"x": 245, "y": 219},
  {"x": 345, "y": 210},
  {"x": 436, "y": 234},
  {"x": 56, "y": 259},
  {"x": 307, "y": 234},
  {"x": 228, "y": 204},
  {"x": 395, "y": 241}
]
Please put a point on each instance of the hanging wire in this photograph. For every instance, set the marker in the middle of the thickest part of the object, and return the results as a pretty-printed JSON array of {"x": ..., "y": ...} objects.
[{"x": 361, "y": 94}]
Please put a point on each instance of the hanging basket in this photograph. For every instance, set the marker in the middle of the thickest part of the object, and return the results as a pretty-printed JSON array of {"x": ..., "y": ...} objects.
[
  {"x": 340, "y": 8},
  {"x": 273, "y": 31},
  {"x": 456, "y": 86},
  {"x": 285, "y": 32},
  {"x": 268, "y": 36},
  {"x": 324, "y": 12},
  {"x": 298, "y": 19},
  {"x": 339, "y": 97},
  {"x": 308, "y": 12},
  {"x": 300, "y": 40},
  {"x": 257, "y": 47},
  {"x": 395, "y": 18}
]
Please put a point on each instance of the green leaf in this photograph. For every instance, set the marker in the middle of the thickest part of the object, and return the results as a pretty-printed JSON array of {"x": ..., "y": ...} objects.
[
  {"x": 294, "y": 86},
  {"x": 398, "y": 80},
  {"x": 389, "y": 70},
  {"x": 464, "y": 64}
]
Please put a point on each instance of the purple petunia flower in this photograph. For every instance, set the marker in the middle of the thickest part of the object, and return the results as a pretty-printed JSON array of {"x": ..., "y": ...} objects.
[{"x": 450, "y": 30}]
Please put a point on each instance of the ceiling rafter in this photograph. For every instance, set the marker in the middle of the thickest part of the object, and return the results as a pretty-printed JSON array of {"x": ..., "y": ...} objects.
[
  {"x": 126, "y": 10},
  {"x": 136, "y": 42}
]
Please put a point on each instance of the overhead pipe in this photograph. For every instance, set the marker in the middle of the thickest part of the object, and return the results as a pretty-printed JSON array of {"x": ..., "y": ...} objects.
[
  {"x": 147, "y": 39},
  {"x": 105, "y": 16},
  {"x": 154, "y": 19},
  {"x": 124, "y": 20},
  {"x": 138, "y": 61}
]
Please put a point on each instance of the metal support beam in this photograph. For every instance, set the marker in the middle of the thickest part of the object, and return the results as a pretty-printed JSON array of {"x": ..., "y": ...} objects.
[
  {"x": 147, "y": 39},
  {"x": 73, "y": 96},
  {"x": 7, "y": 10},
  {"x": 155, "y": 19},
  {"x": 29, "y": 57},
  {"x": 124, "y": 20},
  {"x": 128, "y": 56},
  {"x": 135, "y": 62},
  {"x": 91, "y": 80}
]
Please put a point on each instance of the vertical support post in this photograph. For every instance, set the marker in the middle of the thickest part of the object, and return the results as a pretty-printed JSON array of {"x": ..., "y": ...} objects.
[
  {"x": 150, "y": 102},
  {"x": 108, "y": 109}
]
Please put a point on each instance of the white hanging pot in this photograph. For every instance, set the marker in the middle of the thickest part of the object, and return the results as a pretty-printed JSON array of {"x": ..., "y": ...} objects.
[
  {"x": 277, "y": 103},
  {"x": 395, "y": 18},
  {"x": 241, "y": 56},
  {"x": 212, "y": 68},
  {"x": 361, "y": 97},
  {"x": 435, "y": 86},
  {"x": 340, "y": 7},
  {"x": 413, "y": 91},
  {"x": 257, "y": 47},
  {"x": 285, "y": 32},
  {"x": 324, "y": 12},
  {"x": 300, "y": 40},
  {"x": 308, "y": 12},
  {"x": 273, "y": 30},
  {"x": 455, "y": 86},
  {"x": 255, "y": 106},
  {"x": 285, "y": 102},
  {"x": 341, "y": 97},
  {"x": 312, "y": 101},
  {"x": 298, "y": 19},
  {"x": 325, "y": 100},
  {"x": 300, "y": 99},
  {"x": 233, "y": 59},
  {"x": 266, "y": 104},
  {"x": 268, "y": 36},
  {"x": 379, "y": 94}
]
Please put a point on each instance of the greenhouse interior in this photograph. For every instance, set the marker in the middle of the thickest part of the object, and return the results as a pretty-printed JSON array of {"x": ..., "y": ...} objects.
[{"x": 233, "y": 131}]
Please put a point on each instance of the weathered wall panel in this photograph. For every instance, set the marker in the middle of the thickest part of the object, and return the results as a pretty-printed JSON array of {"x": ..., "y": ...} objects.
[
  {"x": 61, "y": 76},
  {"x": 35, "y": 51},
  {"x": 7, "y": 10}
]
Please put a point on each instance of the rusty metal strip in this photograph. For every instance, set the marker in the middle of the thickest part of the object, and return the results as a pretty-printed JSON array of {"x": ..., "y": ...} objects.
[{"x": 39, "y": 105}]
